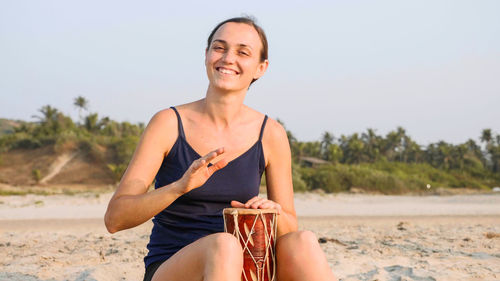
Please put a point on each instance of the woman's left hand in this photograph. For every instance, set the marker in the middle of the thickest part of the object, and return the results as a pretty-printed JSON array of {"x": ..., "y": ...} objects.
[{"x": 257, "y": 203}]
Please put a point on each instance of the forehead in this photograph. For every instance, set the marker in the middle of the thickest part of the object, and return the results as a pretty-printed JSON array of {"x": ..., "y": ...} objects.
[{"x": 238, "y": 33}]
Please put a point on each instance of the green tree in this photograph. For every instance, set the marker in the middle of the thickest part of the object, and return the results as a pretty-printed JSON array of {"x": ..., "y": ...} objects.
[
  {"x": 372, "y": 144},
  {"x": 91, "y": 122},
  {"x": 312, "y": 149},
  {"x": 486, "y": 136},
  {"x": 334, "y": 153},
  {"x": 492, "y": 156},
  {"x": 51, "y": 123},
  {"x": 82, "y": 104},
  {"x": 49, "y": 114},
  {"x": 352, "y": 148},
  {"x": 326, "y": 141},
  {"x": 393, "y": 145}
]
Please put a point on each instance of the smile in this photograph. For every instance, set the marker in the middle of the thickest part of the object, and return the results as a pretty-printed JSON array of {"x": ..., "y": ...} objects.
[{"x": 226, "y": 71}]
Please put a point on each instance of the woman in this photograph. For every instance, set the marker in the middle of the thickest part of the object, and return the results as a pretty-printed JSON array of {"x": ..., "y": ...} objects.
[{"x": 237, "y": 144}]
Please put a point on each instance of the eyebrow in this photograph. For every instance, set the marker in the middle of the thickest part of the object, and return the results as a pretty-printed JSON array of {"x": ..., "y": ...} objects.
[{"x": 224, "y": 42}]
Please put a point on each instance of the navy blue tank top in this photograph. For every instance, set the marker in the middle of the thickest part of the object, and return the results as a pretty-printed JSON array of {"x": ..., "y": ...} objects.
[{"x": 199, "y": 212}]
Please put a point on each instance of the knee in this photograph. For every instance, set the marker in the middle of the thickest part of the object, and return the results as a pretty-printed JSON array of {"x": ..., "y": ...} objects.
[
  {"x": 306, "y": 238},
  {"x": 299, "y": 239},
  {"x": 225, "y": 246},
  {"x": 299, "y": 244}
]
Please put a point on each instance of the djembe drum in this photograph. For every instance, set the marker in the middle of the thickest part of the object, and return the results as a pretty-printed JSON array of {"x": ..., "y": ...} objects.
[{"x": 256, "y": 231}]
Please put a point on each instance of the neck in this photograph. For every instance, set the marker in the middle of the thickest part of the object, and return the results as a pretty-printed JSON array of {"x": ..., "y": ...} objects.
[{"x": 223, "y": 108}]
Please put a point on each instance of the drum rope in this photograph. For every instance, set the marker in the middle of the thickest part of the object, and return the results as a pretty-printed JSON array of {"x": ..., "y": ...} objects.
[{"x": 269, "y": 240}]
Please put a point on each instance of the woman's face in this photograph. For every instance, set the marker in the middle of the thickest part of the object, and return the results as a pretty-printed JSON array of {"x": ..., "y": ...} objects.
[{"x": 232, "y": 60}]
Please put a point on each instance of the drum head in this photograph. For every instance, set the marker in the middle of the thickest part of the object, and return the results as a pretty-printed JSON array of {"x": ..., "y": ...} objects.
[{"x": 243, "y": 211}]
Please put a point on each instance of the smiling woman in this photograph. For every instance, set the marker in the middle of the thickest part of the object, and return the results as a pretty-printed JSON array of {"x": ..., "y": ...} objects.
[
  {"x": 208, "y": 155},
  {"x": 246, "y": 50}
]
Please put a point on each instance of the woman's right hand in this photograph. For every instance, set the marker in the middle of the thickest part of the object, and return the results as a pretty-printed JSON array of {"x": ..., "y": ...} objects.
[{"x": 199, "y": 171}]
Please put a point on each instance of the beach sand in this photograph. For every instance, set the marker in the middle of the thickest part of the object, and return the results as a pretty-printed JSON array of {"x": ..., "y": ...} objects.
[{"x": 365, "y": 237}]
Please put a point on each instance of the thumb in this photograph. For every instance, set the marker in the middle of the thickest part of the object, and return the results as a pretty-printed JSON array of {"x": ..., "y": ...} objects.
[{"x": 237, "y": 204}]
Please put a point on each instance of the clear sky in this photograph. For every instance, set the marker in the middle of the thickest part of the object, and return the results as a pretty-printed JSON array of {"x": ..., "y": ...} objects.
[{"x": 432, "y": 67}]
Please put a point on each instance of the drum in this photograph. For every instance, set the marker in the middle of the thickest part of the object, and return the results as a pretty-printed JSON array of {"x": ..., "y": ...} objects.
[{"x": 256, "y": 231}]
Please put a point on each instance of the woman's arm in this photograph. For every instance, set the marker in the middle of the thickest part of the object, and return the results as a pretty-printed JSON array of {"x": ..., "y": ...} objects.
[
  {"x": 279, "y": 175},
  {"x": 278, "y": 179},
  {"x": 132, "y": 205}
]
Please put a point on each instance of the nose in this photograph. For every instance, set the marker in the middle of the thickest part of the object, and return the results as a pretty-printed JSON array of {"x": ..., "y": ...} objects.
[{"x": 229, "y": 57}]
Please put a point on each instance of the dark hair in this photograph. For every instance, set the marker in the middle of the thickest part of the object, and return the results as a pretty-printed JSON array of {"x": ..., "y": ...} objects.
[{"x": 250, "y": 21}]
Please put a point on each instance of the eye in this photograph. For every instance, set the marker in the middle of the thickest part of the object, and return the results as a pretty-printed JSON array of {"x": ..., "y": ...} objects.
[
  {"x": 243, "y": 53},
  {"x": 218, "y": 48}
]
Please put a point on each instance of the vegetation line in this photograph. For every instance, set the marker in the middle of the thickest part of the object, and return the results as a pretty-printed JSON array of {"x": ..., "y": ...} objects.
[{"x": 366, "y": 161}]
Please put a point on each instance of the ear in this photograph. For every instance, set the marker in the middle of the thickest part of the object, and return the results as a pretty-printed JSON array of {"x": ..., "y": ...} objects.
[{"x": 261, "y": 69}]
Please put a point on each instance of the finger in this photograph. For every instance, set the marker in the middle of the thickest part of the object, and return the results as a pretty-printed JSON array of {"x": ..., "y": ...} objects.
[
  {"x": 237, "y": 204},
  {"x": 256, "y": 204},
  {"x": 198, "y": 164},
  {"x": 271, "y": 205},
  {"x": 211, "y": 155},
  {"x": 250, "y": 202},
  {"x": 266, "y": 205},
  {"x": 217, "y": 166}
]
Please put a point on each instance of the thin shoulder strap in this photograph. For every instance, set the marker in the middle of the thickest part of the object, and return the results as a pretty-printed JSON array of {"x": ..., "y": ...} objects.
[
  {"x": 262, "y": 128},
  {"x": 179, "y": 122}
]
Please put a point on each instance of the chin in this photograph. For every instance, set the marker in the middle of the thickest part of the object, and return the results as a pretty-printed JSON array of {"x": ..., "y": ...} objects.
[{"x": 228, "y": 86}]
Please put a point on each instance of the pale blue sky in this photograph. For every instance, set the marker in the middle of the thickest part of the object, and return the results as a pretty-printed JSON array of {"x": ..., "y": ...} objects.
[{"x": 432, "y": 67}]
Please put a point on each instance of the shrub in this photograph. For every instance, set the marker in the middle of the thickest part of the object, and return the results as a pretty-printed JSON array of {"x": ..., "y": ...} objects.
[
  {"x": 123, "y": 148},
  {"x": 117, "y": 170},
  {"x": 37, "y": 175},
  {"x": 298, "y": 183},
  {"x": 326, "y": 178}
]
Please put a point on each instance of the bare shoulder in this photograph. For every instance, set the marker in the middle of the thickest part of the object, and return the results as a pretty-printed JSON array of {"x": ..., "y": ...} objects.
[
  {"x": 166, "y": 115},
  {"x": 164, "y": 121},
  {"x": 163, "y": 128},
  {"x": 274, "y": 132},
  {"x": 275, "y": 141},
  {"x": 156, "y": 141}
]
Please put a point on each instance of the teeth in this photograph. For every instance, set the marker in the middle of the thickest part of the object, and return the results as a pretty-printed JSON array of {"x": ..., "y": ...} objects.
[{"x": 226, "y": 71}]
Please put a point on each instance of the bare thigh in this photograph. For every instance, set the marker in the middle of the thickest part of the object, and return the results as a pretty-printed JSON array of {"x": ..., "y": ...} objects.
[{"x": 194, "y": 261}]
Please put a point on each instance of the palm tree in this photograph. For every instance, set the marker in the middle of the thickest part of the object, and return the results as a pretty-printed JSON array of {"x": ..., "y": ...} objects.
[
  {"x": 312, "y": 149},
  {"x": 391, "y": 144},
  {"x": 91, "y": 122},
  {"x": 372, "y": 144},
  {"x": 413, "y": 152},
  {"x": 82, "y": 104},
  {"x": 486, "y": 136},
  {"x": 352, "y": 149},
  {"x": 49, "y": 114},
  {"x": 51, "y": 122},
  {"x": 445, "y": 153},
  {"x": 394, "y": 144},
  {"x": 334, "y": 153},
  {"x": 475, "y": 150},
  {"x": 326, "y": 142}
]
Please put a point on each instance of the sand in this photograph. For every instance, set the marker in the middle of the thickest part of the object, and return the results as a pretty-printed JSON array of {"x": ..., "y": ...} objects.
[{"x": 365, "y": 237}]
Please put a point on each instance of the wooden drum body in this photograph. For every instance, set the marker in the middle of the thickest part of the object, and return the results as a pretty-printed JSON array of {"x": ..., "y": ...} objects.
[{"x": 256, "y": 231}]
